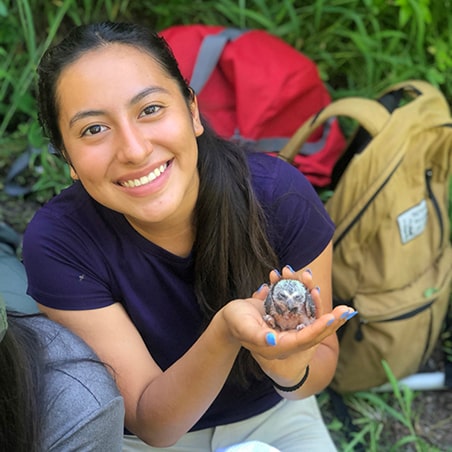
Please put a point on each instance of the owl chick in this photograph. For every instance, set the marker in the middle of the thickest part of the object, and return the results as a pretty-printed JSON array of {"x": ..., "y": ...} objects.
[{"x": 289, "y": 305}]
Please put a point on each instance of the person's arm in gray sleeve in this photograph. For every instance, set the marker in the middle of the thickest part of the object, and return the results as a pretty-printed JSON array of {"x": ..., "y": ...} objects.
[{"x": 101, "y": 430}]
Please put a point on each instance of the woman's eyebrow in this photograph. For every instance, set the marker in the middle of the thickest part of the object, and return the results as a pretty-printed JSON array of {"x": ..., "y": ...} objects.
[
  {"x": 135, "y": 99},
  {"x": 145, "y": 92},
  {"x": 84, "y": 114}
]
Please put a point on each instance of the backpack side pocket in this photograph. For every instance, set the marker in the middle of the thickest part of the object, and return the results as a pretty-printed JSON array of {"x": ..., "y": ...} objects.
[{"x": 400, "y": 327}]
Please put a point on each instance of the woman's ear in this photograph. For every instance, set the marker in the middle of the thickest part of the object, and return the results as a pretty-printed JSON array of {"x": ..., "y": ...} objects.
[
  {"x": 65, "y": 155},
  {"x": 196, "y": 117},
  {"x": 74, "y": 175}
]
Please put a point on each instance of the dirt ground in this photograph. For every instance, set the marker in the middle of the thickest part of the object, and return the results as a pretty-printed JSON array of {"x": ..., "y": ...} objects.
[{"x": 433, "y": 408}]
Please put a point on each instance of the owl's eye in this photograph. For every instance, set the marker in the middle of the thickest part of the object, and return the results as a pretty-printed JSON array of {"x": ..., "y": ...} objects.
[
  {"x": 283, "y": 295},
  {"x": 299, "y": 297}
]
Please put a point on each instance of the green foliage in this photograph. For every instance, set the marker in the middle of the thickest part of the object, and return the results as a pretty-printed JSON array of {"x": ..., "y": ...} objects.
[
  {"x": 360, "y": 46},
  {"x": 53, "y": 175},
  {"x": 27, "y": 27},
  {"x": 373, "y": 412},
  {"x": 21, "y": 51}
]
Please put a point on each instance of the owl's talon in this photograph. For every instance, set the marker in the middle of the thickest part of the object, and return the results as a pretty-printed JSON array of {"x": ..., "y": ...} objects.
[{"x": 270, "y": 321}]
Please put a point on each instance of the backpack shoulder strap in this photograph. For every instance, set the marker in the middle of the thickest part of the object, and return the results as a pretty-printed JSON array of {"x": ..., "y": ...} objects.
[
  {"x": 209, "y": 54},
  {"x": 369, "y": 113},
  {"x": 415, "y": 88}
]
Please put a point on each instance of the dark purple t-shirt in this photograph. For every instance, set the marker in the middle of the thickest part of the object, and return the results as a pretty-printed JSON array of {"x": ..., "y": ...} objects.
[{"x": 81, "y": 255}]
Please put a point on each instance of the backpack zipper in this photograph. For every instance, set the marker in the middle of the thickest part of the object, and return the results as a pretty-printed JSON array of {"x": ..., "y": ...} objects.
[
  {"x": 371, "y": 199},
  {"x": 431, "y": 195},
  {"x": 359, "y": 333}
]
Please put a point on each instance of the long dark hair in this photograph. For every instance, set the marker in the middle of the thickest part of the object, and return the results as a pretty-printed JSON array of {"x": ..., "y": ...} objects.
[
  {"x": 22, "y": 367},
  {"x": 232, "y": 252}
]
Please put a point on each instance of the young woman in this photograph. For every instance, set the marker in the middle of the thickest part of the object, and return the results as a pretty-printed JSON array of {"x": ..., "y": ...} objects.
[{"x": 152, "y": 254}]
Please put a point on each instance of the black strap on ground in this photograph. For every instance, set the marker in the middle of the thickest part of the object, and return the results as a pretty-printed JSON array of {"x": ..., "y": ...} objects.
[
  {"x": 342, "y": 413},
  {"x": 448, "y": 355}
]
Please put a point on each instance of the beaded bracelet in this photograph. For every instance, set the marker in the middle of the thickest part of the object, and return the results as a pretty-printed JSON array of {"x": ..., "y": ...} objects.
[{"x": 295, "y": 387}]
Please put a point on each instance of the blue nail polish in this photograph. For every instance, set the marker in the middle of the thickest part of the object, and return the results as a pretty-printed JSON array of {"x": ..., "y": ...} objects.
[
  {"x": 345, "y": 315},
  {"x": 270, "y": 338},
  {"x": 277, "y": 272},
  {"x": 308, "y": 270},
  {"x": 352, "y": 314},
  {"x": 318, "y": 289},
  {"x": 330, "y": 322},
  {"x": 290, "y": 268},
  {"x": 261, "y": 287}
]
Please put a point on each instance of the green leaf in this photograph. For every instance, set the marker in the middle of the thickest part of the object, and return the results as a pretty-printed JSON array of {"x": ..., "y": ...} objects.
[{"x": 3, "y": 9}]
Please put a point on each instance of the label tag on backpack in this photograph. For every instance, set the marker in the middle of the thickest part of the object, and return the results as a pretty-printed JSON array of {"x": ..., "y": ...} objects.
[{"x": 413, "y": 221}]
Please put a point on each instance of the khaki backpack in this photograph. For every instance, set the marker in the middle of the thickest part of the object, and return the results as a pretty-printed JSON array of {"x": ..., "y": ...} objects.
[{"x": 392, "y": 256}]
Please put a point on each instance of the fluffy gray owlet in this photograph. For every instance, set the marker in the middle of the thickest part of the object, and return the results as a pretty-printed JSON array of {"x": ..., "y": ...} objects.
[{"x": 289, "y": 305}]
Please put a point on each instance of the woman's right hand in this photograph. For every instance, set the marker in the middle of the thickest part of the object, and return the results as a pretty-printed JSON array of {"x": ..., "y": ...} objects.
[
  {"x": 284, "y": 355},
  {"x": 245, "y": 322}
]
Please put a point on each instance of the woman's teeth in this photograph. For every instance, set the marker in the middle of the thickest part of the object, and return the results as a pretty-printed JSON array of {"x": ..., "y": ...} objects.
[{"x": 145, "y": 179}]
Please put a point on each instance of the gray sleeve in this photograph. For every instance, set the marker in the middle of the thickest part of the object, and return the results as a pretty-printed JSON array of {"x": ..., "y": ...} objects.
[
  {"x": 84, "y": 410},
  {"x": 82, "y": 407},
  {"x": 101, "y": 430}
]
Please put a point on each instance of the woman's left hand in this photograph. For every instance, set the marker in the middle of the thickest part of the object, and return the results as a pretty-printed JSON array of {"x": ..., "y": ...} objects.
[{"x": 286, "y": 354}]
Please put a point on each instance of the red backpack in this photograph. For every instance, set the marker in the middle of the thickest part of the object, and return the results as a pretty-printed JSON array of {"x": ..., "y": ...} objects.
[{"x": 253, "y": 86}]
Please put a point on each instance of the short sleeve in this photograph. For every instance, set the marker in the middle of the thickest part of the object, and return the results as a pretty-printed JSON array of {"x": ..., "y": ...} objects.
[
  {"x": 64, "y": 258},
  {"x": 299, "y": 226}
]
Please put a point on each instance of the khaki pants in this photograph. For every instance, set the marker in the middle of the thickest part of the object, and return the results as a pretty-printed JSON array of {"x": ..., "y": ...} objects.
[{"x": 290, "y": 426}]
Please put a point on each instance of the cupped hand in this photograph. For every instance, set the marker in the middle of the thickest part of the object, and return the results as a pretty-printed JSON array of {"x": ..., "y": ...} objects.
[
  {"x": 245, "y": 323},
  {"x": 282, "y": 355}
]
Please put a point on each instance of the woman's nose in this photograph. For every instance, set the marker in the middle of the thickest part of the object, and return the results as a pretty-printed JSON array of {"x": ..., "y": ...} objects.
[{"x": 133, "y": 145}]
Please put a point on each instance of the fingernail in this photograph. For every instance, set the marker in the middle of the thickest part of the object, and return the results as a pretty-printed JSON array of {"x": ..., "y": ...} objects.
[
  {"x": 308, "y": 270},
  {"x": 261, "y": 287},
  {"x": 330, "y": 322},
  {"x": 318, "y": 289},
  {"x": 277, "y": 272},
  {"x": 290, "y": 268},
  {"x": 345, "y": 315},
  {"x": 270, "y": 338},
  {"x": 352, "y": 314}
]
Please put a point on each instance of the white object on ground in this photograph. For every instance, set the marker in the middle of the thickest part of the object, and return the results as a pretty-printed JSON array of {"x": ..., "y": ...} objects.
[{"x": 427, "y": 381}]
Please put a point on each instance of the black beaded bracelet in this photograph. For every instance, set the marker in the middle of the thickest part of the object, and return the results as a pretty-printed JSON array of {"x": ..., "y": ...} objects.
[{"x": 295, "y": 387}]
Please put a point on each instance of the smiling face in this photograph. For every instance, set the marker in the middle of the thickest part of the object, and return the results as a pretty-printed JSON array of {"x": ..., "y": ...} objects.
[{"x": 130, "y": 136}]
